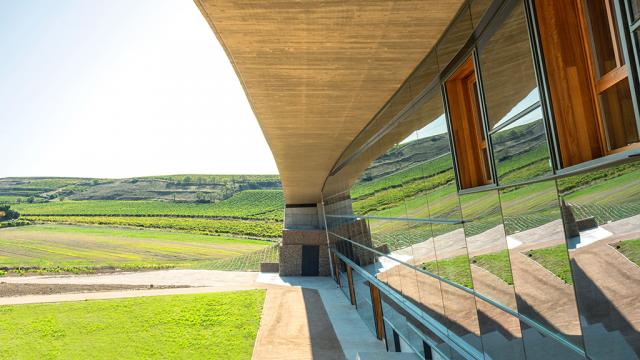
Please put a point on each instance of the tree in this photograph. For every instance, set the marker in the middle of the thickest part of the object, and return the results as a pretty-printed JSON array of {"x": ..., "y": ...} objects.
[
  {"x": 7, "y": 214},
  {"x": 31, "y": 199}
]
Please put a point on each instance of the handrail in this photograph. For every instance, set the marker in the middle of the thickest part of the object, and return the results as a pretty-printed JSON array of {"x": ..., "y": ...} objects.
[
  {"x": 484, "y": 298},
  {"x": 422, "y": 220},
  {"x": 438, "y": 328}
]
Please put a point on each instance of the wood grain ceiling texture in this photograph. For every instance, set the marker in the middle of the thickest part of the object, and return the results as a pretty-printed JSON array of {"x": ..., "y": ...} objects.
[{"x": 316, "y": 72}]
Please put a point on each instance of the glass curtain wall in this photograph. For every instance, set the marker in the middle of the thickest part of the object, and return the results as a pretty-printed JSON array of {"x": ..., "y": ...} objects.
[{"x": 543, "y": 264}]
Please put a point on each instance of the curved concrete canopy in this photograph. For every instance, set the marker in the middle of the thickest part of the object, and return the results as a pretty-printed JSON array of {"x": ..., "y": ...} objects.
[{"x": 316, "y": 72}]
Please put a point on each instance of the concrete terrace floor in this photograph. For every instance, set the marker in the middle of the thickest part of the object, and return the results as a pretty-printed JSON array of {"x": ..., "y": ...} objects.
[{"x": 303, "y": 317}]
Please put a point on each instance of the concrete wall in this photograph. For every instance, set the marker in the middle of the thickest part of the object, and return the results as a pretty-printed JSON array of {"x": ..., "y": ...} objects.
[
  {"x": 291, "y": 251},
  {"x": 302, "y": 217}
]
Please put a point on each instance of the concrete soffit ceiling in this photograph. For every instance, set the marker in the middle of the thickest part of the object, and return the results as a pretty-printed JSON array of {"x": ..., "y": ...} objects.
[{"x": 316, "y": 72}]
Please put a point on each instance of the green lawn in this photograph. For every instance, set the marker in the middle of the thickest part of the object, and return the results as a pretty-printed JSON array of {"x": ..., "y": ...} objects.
[
  {"x": 55, "y": 248},
  {"x": 202, "y": 326},
  {"x": 554, "y": 259},
  {"x": 455, "y": 269},
  {"x": 496, "y": 263},
  {"x": 630, "y": 249}
]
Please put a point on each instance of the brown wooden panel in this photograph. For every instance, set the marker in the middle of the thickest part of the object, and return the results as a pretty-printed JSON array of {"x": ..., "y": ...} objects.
[
  {"x": 378, "y": 319},
  {"x": 570, "y": 80},
  {"x": 466, "y": 127}
]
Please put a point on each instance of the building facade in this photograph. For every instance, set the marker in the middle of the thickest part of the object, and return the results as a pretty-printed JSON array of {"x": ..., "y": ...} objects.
[{"x": 491, "y": 208}]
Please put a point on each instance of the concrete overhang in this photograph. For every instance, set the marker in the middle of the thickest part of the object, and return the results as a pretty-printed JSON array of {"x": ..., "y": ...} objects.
[{"x": 316, "y": 72}]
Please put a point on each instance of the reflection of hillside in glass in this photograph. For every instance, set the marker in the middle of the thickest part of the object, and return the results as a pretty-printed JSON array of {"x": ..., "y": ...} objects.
[
  {"x": 521, "y": 151},
  {"x": 529, "y": 206},
  {"x": 607, "y": 195},
  {"x": 602, "y": 222}
]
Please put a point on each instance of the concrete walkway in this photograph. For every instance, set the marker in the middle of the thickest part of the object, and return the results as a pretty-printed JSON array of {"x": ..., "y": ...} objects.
[{"x": 303, "y": 317}]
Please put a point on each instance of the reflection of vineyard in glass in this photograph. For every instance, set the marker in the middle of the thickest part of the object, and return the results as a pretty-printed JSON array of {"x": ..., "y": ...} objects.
[
  {"x": 606, "y": 195},
  {"x": 605, "y": 212},
  {"x": 521, "y": 152}
]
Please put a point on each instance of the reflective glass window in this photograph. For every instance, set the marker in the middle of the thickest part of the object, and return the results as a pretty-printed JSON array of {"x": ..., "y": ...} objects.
[
  {"x": 491, "y": 274},
  {"x": 540, "y": 266},
  {"x": 601, "y": 211},
  {"x": 508, "y": 75},
  {"x": 635, "y": 6},
  {"x": 518, "y": 135},
  {"x": 455, "y": 37}
]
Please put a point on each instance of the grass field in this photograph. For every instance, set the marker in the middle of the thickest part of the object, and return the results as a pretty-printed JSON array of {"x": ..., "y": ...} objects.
[
  {"x": 496, "y": 263},
  {"x": 554, "y": 259},
  {"x": 55, "y": 248},
  {"x": 455, "y": 269},
  {"x": 248, "y": 204},
  {"x": 203, "y": 326},
  {"x": 630, "y": 249}
]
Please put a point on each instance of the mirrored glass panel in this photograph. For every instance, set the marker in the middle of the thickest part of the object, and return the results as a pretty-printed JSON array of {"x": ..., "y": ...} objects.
[
  {"x": 635, "y": 6},
  {"x": 601, "y": 211},
  {"x": 540, "y": 267},
  {"x": 506, "y": 64},
  {"x": 455, "y": 37},
  {"x": 379, "y": 190},
  {"x": 452, "y": 263},
  {"x": 516, "y": 126},
  {"x": 478, "y": 9},
  {"x": 491, "y": 274},
  {"x": 521, "y": 149},
  {"x": 363, "y": 300}
]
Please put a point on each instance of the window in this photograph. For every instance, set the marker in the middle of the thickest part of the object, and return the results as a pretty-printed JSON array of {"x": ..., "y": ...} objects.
[
  {"x": 588, "y": 79},
  {"x": 619, "y": 127},
  {"x": 635, "y": 6},
  {"x": 468, "y": 131},
  {"x": 514, "y": 116}
]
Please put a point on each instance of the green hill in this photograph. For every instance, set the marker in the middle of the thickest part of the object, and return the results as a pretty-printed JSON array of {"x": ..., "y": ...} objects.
[
  {"x": 185, "y": 188},
  {"x": 248, "y": 204}
]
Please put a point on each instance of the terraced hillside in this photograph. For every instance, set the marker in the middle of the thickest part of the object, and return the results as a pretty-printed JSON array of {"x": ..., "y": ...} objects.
[
  {"x": 201, "y": 188},
  {"x": 86, "y": 225},
  {"x": 248, "y": 204}
]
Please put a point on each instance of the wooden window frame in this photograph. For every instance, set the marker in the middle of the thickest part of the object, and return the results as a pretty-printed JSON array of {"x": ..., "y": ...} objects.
[
  {"x": 572, "y": 83},
  {"x": 468, "y": 129},
  {"x": 612, "y": 77}
]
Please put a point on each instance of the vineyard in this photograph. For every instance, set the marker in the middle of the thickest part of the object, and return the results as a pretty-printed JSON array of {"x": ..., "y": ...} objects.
[
  {"x": 248, "y": 262},
  {"x": 248, "y": 204},
  {"x": 258, "y": 229},
  {"x": 81, "y": 249}
]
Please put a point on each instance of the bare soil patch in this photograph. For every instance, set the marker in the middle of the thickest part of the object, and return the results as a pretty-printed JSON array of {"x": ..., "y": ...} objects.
[{"x": 12, "y": 289}]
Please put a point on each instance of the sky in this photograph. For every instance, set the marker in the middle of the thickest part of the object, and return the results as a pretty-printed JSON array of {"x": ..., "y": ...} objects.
[{"x": 120, "y": 88}]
